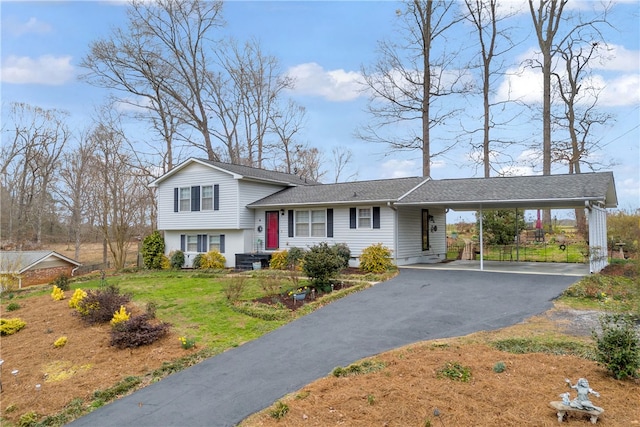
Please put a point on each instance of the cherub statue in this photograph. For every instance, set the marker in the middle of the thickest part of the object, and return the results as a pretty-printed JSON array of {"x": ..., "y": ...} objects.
[{"x": 582, "y": 400}]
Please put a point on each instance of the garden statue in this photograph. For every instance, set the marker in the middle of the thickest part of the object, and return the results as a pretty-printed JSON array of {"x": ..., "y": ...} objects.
[
  {"x": 581, "y": 404},
  {"x": 582, "y": 401}
]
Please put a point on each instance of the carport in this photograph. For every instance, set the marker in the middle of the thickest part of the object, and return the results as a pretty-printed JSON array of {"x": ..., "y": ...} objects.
[{"x": 593, "y": 192}]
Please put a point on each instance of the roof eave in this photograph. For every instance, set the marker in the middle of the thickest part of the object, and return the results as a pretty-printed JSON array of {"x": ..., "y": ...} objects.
[
  {"x": 319, "y": 203},
  {"x": 563, "y": 203}
]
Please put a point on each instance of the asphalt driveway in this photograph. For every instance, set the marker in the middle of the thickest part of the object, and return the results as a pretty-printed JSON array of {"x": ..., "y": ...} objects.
[{"x": 417, "y": 305}]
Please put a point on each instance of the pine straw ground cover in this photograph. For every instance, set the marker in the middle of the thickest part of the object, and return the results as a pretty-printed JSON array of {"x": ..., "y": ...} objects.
[
  {"x": 84, "y": 365},
  {"x": 409, "y": 390}
]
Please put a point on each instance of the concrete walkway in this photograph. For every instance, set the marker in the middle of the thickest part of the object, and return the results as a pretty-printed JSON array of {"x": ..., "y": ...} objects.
[
  {"x": 419, "y": 304},
  {"x": 517, "y": 267}
]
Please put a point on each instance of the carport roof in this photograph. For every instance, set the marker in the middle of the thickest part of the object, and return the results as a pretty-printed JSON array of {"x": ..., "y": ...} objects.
[{"x": 540, "y": 191}]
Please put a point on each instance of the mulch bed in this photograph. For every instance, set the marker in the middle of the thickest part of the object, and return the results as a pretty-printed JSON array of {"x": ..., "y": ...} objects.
[{"x": 288, "y": 301}]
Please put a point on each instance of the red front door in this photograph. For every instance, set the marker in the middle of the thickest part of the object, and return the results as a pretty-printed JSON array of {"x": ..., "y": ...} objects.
[{"x": 272, "y": 230}]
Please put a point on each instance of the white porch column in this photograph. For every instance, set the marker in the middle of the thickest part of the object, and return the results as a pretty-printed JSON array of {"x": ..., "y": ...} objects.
[
  {"x": 481, "y": 243},
  {"x": 597, "y": 217}
]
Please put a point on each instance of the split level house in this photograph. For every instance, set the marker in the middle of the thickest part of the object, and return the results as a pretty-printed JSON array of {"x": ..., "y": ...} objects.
[{"x": 248, "y": 213}]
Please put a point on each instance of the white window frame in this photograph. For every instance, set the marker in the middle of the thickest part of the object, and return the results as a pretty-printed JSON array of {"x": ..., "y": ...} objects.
[
  {"x": 310, "y": 219},
  {"x": 369, "y": 217},
  {"x": 214, "y": 242},
  {"x": 182, "y": 199},
  {"x": 209, "y": 205},
  {"x": 315, "y": 222},
  {"x": 302, "y": 223},
  {"x": 191, "y": 243}
]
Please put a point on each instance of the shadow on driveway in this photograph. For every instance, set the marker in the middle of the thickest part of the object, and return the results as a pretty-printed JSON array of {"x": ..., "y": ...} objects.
[{"x": 416, "y": 305}]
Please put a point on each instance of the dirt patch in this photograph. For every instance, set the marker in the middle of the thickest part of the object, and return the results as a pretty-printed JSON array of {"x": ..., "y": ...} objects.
[{"x": 85, "y": 364}]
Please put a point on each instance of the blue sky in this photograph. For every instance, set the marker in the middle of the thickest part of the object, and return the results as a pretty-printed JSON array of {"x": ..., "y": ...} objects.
[{"x": 323, "y": 46}]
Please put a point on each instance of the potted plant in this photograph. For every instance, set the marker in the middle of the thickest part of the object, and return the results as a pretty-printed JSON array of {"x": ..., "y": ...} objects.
[{"x": 299, "y": 294}]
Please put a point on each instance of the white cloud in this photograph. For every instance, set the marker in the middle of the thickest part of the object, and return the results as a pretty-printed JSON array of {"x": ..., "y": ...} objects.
[
  {"x": 45, "y": 70},
  {"x": 618, "y": 58},
  {"x": 629, "y": 188},
  {"x": 618, "y": 85},
  {"x": 395, "y": 168},
  {"x": 517, "y": 171},
  {"x": 335, "y": 85},
  {"x": 33, "y": 25}
]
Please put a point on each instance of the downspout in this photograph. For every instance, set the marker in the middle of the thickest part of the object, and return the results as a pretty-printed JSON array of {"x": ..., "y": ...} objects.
[
  {"x": 73, "y": 271},
  {"x": 395, "y": 232}
]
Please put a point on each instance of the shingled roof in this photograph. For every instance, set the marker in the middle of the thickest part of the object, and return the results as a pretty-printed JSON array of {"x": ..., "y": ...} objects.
[
  {"x": 241, "y": 172},
  {"x": 548, "y": 191},
  {"x": 21, "y": 261},
  {"x": 377, "y": 191}
]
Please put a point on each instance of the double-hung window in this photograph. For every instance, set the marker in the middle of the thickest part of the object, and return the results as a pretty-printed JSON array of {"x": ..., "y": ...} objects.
[
  {"x": 364, "y": 218},
  {"x": 318, "y": 223},
  {"x": 311, "y": 223},
  {"x": 185, "y": 199},
  {"x": 207, "y": 197},
  {"x": 192, "y": 243},
  {"x": 302, "y": 223},
  {"x": 214, "y": 243}
]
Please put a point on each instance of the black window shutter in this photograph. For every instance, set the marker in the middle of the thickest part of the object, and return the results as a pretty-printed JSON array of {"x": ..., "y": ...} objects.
[
  {"x": 175, "y": 199},
  {"x": 222, "y": 243},
  {"x": 290, "y": 223},
  {"x": 376, "y": 217},
  {"x": 182, "y": 242},
  {"x": 352, "y": 218},
  {"x": 195, "y": 198},
  {"x": 216, "y": 197},
  {"x": 329, "y": 222},
  {"x": 200, "y": 243}
]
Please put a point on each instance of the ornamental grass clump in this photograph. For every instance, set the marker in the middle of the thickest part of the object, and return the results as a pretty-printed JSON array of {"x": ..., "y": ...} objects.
[{"x": 57, "y": 294}]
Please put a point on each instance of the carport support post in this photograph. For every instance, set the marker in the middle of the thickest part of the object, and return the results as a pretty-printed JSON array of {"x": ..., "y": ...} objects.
[{"x": 481, "y": 243}]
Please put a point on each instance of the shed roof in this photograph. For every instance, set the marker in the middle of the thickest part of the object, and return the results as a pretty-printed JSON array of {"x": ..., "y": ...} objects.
[
  {"x": 540, "y": 191},
  {"x": 21, "y": 261}
]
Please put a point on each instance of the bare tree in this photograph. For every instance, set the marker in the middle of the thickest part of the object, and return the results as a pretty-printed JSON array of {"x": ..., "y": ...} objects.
[
  {"x": 163, "y": 58},
  {"x": 286, "y": 124},
  {"x": 579, "y": 114},
  {"x": 29, "y": 163},
  {"x": 493, "y": 42},
  {"x": 342, "y": 158},
  {"x": 410, "y": 79},
  {"x": 74, "y": 194},
  {"x": 546, "y": 16},
  {"x": 122, "y": 199},
  {"x": 307, "y": 163},
  {"x": 256, "y": 84}
]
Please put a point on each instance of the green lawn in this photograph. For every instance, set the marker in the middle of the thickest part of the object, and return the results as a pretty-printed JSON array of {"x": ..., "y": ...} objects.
[{"x": 196, "y": 305}]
